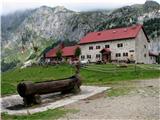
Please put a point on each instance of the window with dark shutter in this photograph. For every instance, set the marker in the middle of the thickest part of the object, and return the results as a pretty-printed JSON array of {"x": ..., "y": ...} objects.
[
  {"x": 131, "y": 51},
  {"x": 82, "y": 57},
  {"x": 97, "y": 55},
  {"x": 125, "y": 54},
  {"x": 98, "y": 47},
  {"x": 118, "y": 54},
  {"x": 106, "y": 46},
  {"x": 90, "y": 47},
  {"x": 88, "y": 56},
  {"x": 120, "y": 45}
]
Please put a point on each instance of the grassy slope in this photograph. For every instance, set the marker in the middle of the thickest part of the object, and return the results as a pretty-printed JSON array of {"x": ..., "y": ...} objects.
[
  {"x": 93, "y": 74},
  {"x": 28, "y": 51}
]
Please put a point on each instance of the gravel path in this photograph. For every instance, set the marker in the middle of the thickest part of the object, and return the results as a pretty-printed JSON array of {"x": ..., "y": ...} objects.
[{"x": 140, "y": 103}]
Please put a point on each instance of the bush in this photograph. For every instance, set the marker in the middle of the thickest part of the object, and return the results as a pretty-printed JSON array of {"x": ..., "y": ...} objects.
[{"x": 7, "y": 66}]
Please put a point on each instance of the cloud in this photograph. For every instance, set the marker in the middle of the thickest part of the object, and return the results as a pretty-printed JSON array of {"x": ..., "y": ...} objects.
[{"x": 9, "y": 6}]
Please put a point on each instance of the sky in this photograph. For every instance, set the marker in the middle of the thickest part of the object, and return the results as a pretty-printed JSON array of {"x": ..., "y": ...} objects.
[{"x": 10, "y": 6}]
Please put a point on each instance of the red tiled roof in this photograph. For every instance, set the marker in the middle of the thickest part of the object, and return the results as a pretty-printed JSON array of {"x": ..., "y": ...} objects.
[
  {"x": 112, "y": 34},
  {"x": 51, "y": 53},
  {"x": 69, "y": 51},
  {"x": 66, "y": 51}
]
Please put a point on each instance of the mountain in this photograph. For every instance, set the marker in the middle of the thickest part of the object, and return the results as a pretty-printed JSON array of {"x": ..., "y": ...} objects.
[
  {"x": 150, "y": 6},
  {"x": 26, "y": 34}
]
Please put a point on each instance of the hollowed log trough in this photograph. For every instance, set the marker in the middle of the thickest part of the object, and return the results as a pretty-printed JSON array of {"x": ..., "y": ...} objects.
[{"x": 31, "y": 91}]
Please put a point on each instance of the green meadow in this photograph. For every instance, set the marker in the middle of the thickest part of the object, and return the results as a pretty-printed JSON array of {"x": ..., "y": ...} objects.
[{"x": 91, "y": 74}]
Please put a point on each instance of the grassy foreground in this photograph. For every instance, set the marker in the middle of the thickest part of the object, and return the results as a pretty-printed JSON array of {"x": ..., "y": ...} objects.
[
  {"x": 47, "y": 115},
  {"x": 92, "y": 74}
]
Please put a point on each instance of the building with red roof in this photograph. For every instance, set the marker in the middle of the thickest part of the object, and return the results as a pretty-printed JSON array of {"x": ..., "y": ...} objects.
[
  {"x": 120, "y": 44},
  {"x": 67, "y": 53}
]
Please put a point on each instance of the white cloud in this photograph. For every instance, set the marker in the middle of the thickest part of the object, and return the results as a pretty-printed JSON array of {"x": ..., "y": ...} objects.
[{"x": 77, "y": 5}]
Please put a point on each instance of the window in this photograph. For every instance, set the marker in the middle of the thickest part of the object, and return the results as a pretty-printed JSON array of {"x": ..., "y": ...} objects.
[
  {"x": 120, "y": 45},
  {"x": 144, "y": 46},
  {"x": 98, "y": 47},
  {"x": 82, "y": 57},
  {"x": 90, "y": 47},
  {"x": 88, "y": 56},
  {"x": 106, "y": 46},
  {"x": 131, "y": 51},
  {"x": 125, "y": 54},
  {"x": 97, "y": 55},
  {"x": 118, "y": 54}
]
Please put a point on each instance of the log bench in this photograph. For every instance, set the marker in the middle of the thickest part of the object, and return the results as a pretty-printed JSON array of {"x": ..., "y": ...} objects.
[{"x": 31, "y": 91}]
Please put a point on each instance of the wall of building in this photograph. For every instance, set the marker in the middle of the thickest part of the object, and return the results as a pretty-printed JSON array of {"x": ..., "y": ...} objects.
[
  {"x": 152, "y": 59},
  {"x": 128, "y": 45},
  {"x": 141, "y": 49}
]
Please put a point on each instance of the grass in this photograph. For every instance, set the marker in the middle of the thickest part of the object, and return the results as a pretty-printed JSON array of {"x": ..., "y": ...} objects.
[
  {"x": 47, "y": 115},
  {"x": 10, "y": 79},
  {"x": 119, "y": 91},
  {"x": 103, "y": 74},
  {"x": 107, "y": 74},
  {"x": 91, "y": 75}
]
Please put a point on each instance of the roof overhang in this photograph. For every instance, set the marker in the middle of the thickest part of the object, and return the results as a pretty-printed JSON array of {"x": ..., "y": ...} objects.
[
  {"x": 153, "y": 54},
  {"x": 106, "y": 40}
]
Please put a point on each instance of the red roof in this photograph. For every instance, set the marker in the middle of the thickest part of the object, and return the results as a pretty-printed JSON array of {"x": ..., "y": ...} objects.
[
  {"x": 51, "y": 53},
  {"x": 112, "y": 34},
  {"x": 69, "y": 51},
  {"x": 66, "y": 51}
]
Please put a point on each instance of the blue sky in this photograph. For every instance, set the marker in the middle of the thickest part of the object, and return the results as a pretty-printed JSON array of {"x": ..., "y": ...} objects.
[{"x": 9, "y": 6}]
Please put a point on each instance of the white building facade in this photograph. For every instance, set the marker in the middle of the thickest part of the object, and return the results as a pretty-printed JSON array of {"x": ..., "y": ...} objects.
[{"x": 122, "y": 44}]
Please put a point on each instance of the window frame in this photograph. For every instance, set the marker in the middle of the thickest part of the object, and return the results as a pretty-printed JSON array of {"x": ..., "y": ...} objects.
[
  {"x": 107, "y": 46},
  {"x": 83, "y": 57},
  {"x": 90, "y": 47},
  {"x": 125, "y": 54},
  {"x": 98, "y": 47},
  {"x": 89, "y": 56},
  {"x": 118, "y": 54},
  {"x": 120, "y": 45},
  {"x": 131, "y": 50},
  {"x": 98, "y": 55}
]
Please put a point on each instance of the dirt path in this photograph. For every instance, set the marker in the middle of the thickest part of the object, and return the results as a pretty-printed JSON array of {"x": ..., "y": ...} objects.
[{"x": 142, "y": 102}]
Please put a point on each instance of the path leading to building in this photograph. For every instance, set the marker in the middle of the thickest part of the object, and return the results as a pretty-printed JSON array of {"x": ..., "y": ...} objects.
[{"x": 142, "y": 102}]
